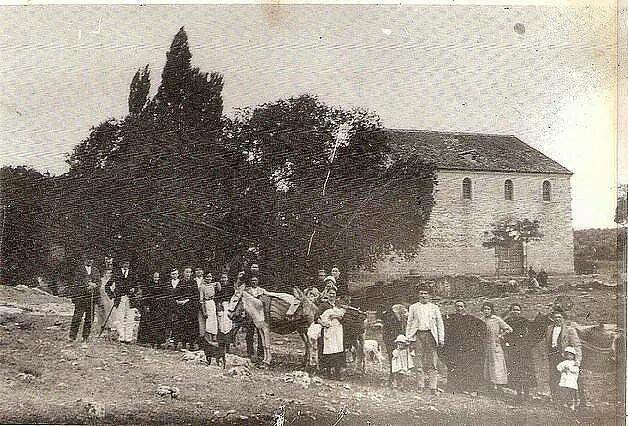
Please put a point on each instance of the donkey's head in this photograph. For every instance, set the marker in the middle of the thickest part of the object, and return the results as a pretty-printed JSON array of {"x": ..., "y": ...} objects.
[{"x": 309, "y": 308}]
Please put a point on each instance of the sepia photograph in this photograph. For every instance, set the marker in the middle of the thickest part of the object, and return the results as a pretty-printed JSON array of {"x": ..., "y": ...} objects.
[{"x": 313, "y": 214}]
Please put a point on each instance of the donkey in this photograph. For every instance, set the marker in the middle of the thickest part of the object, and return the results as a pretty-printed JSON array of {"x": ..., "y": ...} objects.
[{"x": 299, "y": 322}]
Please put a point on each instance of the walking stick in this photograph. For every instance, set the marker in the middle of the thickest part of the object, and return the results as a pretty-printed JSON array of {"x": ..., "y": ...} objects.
[
  {"x": 104, "y": 324},
  {"x": 92, "y": 302}
]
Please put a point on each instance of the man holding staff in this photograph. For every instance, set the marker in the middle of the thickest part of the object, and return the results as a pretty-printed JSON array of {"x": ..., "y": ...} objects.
[{"x": 84, "y": 293}]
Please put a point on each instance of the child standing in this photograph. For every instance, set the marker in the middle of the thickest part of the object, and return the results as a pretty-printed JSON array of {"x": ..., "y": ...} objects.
[
  {"x": 401, "y": 361},
  {"x": 569, "y": 371}
]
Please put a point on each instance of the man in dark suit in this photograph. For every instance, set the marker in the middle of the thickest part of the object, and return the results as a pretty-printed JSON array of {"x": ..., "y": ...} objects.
[
  {"x": 559, "y": 336},
  {"x": 84, "y": 293},
  {"x": 190, "y": 310},
  {"x": 122, "y": 288}
]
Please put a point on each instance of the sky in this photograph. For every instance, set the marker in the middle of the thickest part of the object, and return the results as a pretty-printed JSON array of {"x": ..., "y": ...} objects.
[{"x": 545, "y": 74}]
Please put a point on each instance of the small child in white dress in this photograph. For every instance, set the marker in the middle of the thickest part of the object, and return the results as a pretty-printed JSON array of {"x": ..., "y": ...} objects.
[
  {"x": 401, "y": 362},
  {"x": 569, "y": 371}
]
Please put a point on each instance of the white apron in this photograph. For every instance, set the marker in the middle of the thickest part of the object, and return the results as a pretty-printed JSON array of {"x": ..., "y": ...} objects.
[
  {"x": 211, "y": 322},
  {"x": 333, "y": 335}
]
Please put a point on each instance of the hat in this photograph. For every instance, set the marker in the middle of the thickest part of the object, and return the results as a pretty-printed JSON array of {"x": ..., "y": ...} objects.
[
  {"x": 401, "y": 339},
  {"x": 330, "y": 278},
  {"x": 331, "y": 286},
  {"x": 570, "y": 350}
]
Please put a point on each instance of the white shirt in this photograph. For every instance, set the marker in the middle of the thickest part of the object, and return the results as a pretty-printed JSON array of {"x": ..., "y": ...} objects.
[
  {"x": 423, "y": 316},
  {"x": 255, "y": 291},
  {"x": 125, "y": 272},
  {"x": 88, "y": 269},
  {"x": 555, "y": 335},
  {"x": 199, "y": 281},
  {"x": 174, "y": 283}
]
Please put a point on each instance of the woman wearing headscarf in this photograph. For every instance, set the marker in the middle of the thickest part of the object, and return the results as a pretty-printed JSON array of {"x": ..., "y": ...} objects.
[
  {"x": 495, "y": 371},
  {"x": 518, "y": 346},
  {"x": 155, "y": 312}
]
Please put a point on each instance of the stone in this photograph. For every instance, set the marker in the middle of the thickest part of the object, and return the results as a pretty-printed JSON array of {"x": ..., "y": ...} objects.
[
  {"x": 95, "y": 410},
  {"x": 238, "y": 371},
  {"x": 165, "y": 390},
  {"x": 26, "y": 377}
]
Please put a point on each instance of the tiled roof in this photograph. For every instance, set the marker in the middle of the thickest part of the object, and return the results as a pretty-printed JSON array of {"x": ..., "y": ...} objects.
[{"x": 472, "y": 151}]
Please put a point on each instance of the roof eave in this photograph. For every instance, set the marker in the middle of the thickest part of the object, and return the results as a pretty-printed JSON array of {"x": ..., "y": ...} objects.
[{"x": 469, "y": 169}]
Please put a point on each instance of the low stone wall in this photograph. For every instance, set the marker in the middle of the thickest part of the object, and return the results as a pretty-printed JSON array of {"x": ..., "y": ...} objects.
[{"x": 382, "y": 294}]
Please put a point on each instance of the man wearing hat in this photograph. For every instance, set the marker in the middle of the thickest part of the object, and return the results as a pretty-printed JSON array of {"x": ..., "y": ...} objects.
[
  {"x": 425, "y": 328},
  {"x": 123, "y": 287},
  {"x": 84, "y": 293}
]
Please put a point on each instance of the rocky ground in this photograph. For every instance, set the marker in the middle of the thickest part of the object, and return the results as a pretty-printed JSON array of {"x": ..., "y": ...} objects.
[{"x": 47, "y": 379}]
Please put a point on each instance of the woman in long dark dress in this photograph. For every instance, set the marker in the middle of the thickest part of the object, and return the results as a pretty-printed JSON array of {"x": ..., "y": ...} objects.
[
  {"x": 154, "y": 308},
  {"x": 463, "y": 351},
  {"x": 518, "y": 348}
]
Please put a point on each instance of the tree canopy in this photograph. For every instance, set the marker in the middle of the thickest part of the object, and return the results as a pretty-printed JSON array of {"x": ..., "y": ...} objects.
[
  {"x": 323, "y": 187},
  {"x": 295, "y": 183}
]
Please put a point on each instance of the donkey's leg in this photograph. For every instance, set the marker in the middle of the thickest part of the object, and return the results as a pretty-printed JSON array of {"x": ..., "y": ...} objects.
[
  {"x": 360, "y": 351},
  {"x": 306, "y": 342},
  {"x": 265, "y": 333},
  {"x": 313, "y": 359}
]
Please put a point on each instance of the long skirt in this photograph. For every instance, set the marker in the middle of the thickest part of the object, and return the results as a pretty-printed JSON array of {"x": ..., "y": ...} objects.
[
  {"x": 331, "y": 339},
  {"x": 153, "y": 325},
  {"x": 185, "y": 323},
  {"x": 520, "y": 367},
  {"x": 495, "y": 370}
]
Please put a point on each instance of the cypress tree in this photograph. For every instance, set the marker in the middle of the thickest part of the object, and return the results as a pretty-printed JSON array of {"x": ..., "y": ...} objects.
[{"x": 138, "y": 93}]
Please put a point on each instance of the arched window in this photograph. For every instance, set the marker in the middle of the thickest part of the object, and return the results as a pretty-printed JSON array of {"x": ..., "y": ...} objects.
[
  {"x": 547, "y": 190},
  {"x": 508, "y": 190},
  {"x": 466, "y": 188}
]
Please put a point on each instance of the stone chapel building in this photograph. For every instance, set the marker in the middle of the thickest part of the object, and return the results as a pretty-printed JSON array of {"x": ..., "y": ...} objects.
[{"x": 481, "y": 179}]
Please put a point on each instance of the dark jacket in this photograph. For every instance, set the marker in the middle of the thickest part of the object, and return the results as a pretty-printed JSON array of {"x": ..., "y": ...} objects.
[
  {"x": 392, "y": 327},
  {"x": 80, "y": 284},
  {"x": 119, "y": 286},
  {"x": 186, "y": 289},
  {"x": 568, "y": 337}
]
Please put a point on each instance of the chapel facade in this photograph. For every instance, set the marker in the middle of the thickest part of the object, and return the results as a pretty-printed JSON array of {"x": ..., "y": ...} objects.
[{"x": 483, "y": 179}]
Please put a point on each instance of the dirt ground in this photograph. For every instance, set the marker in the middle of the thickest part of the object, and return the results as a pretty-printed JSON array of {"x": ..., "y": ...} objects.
[{"x": 47, "y": 379}]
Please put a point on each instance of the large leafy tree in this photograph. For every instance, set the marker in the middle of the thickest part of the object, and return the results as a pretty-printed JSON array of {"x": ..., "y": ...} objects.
[
  {"x": 322, "y": 187},
  {"x": 93, "y": 154}
]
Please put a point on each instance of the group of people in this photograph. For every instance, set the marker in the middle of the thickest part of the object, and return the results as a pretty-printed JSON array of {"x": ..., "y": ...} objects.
[
  {"x": 537, "y": 279},
  {"x": 182, "y": 311},
  {"x": 487, "y": 351}
]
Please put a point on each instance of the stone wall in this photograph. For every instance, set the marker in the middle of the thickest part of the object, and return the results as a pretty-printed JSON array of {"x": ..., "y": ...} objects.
[{"x": 458, "y": 227}]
